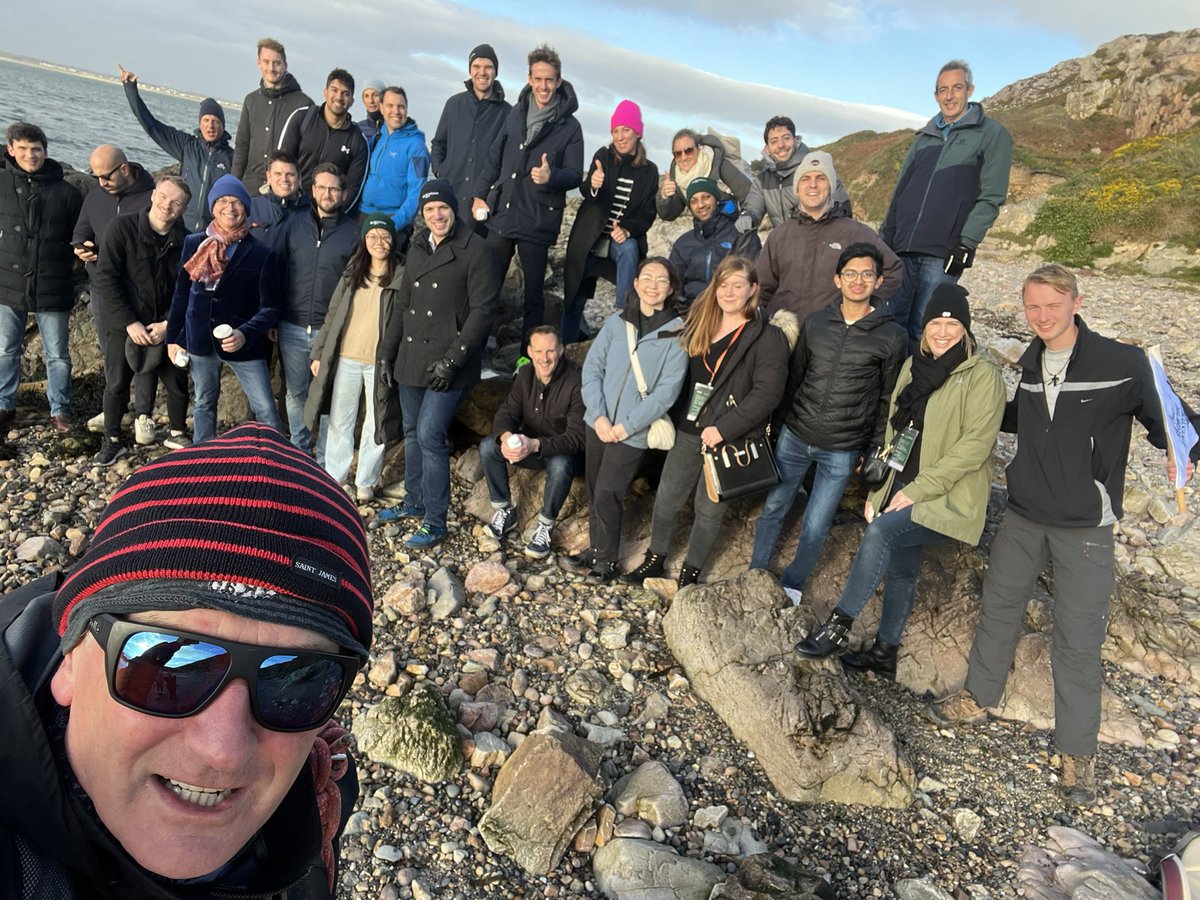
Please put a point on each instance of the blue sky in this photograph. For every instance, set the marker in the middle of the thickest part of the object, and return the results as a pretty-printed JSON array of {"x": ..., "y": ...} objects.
[{"x": 835, "y": 66}]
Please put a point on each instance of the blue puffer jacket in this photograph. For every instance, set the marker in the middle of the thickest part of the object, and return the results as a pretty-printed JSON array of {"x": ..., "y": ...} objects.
[
  {"x": 201, "y": 162},
  {"x": 610, "y": 388},
  {"x": 311, "y": 260},
  {"x": 398, "y": 167},
  {"x": 247, "y": 298}
]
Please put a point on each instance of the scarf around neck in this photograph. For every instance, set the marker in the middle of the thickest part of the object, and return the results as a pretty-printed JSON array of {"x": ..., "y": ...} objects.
[
  {"x": 928, "y": 374},
  {"x": 208, "y": 263},
  {"x": 702, "y": 169}
]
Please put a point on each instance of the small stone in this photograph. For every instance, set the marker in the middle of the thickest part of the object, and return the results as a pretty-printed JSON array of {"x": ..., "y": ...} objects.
[
  {"x": 39, "y": 547},
  {"x": 388, "y": 853},
  {"x": 407, "y": 596},
  {"x": 632, "y": 828},
  {"x": 615, "y": 635},
  {"x": 709, "y": 817},
  {"x": 487, "y": 577},
  {"x": 967, "y": 823}
]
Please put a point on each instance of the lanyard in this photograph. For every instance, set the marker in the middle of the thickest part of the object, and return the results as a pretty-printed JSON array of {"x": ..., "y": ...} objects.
[{"x": 712, "y": 370}]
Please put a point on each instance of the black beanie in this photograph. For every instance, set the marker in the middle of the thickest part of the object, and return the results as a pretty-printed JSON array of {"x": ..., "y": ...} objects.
[
  {"x": 437, "y": 189},
  {"x": 949, "y": 301},
  {"x": 210, "y": 107},
  {"x": 244, "y": 523},
  {"x": 484, "y": 51}
]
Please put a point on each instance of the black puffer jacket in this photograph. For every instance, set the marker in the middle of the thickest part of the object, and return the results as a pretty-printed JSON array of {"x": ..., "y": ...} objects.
[
  {"x": 446, "y": 307},
  {"x": 841, "y": 378},
  {"x": 264, "y": 112},
  {"x": 100, "y": 208},
  {"x": 52, "y": 847},
  {"x": 465, "y": 134},
  {"x": 138, "y": 267},
  {"x": 522, "y": 210},
  {"x": 37, "y": 213},
  {"x": 311, "y": 259}
]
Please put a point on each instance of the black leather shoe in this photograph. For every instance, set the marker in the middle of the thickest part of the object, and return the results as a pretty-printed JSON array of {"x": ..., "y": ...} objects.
[
  {"x": 879, "y": 657},
  {"x": 578, "y": 563},
  {"x": 832, "y": 637},
  {"x": 688, "y": 575},
  {"x": 603, "y": 573},
  {"x": 651, "y": 567}
]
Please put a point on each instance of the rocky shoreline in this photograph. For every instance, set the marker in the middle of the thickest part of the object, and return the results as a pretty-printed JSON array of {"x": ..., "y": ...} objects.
[{"x": 519, "y": 652}]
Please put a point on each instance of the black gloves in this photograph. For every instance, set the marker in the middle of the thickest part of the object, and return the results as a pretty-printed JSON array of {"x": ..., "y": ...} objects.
[
  {"x": 958, "y": 259},
  {"x": 441, "y": 373},
  {"x": 383, "y": 368}
]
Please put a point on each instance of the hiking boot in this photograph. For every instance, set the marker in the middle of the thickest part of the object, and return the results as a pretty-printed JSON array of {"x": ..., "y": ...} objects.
[
  {"x": 1078, "y": 779},
  {"x": 651, "y": 567},
  {"x": 144, "y": 431},
  {"x": 110, "y": 452},
  {"x": 879, "y": 657},
  {"x": 425, "y": 537},
  {"x": 580, "y": 563},
  {"x": 688, "y": 575},
  {"x": 603, "y": 573},
  {"x": 539, "y": 543},
  {"x": 958, "y": 708},
  {"x": 830, "y": 638},
  {"x": 504, "y": 521},
  {"x": 177, "y": 440},
  {"x": 404, "y": 511}
]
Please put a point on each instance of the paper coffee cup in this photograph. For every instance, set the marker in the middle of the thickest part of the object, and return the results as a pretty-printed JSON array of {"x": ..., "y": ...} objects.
[
  {"x": 182, "y": 359},
  {"x": 222, "y": 331},
  {"x": 481, "y": 215}
]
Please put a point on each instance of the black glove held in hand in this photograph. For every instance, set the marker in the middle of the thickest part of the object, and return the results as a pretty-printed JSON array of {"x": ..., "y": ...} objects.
[
  {"x": 383, "y": 368},
  {"x": 441, "y": 373},
  {"x": 958, "y": 259}
]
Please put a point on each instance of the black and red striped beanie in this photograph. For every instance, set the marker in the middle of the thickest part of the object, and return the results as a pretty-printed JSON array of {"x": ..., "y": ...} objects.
[{"x": 244, "y": 523}]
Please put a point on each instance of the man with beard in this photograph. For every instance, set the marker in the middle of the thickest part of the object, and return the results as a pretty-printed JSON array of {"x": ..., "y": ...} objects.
[
  {"x": 327, "y": 134},
  {"x": 264, "y": 112},
  {"x": 782, "y": 154}
]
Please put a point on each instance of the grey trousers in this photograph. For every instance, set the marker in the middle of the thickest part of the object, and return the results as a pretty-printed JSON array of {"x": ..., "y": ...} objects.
[
  {"x": 682, "y": 477},
  {"x": 1082, "y": 559}
]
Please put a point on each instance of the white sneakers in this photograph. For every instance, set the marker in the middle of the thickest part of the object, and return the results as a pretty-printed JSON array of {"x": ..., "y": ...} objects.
[{"x": 144, "y": 431}]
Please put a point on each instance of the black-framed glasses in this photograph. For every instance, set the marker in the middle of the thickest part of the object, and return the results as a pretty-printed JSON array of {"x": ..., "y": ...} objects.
[
  {"x": 108, "y": 176},
  {"x": 865, "y": 275},
  {"x": 174, "y": 674}
]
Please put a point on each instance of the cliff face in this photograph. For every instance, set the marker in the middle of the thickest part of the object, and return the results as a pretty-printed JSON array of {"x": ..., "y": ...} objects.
[{"x": 1150, "y": 81}]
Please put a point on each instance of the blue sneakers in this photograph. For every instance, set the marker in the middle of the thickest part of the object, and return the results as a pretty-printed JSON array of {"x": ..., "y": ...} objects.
[
  {"x": 404, "y": 511},
  {"x": 425, "y": 537}
]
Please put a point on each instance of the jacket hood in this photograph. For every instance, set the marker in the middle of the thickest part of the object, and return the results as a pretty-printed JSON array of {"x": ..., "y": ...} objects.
[
  {"x": 568, "y": 103},
  {"x": 142, "y": 181},
  {"x": 497, "y": 91},
  {"x": 51, "y": 169},
  {"x": 713, "y": 226},
  {"x": 839, "y": 210},
  {"x": 789, "y": 165},
  {"x": 789, "y": 323},
  {"x": 633, "y": 311},
  {"x": 289, "y": 85}
]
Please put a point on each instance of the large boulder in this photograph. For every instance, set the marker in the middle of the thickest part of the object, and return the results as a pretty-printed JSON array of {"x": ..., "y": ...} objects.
[
  {"x": 414, "y": 733},
  {"x": 815, "y": 739},
  {"x": 633, "y": 869},
  {"x": 543, "y": 794}
]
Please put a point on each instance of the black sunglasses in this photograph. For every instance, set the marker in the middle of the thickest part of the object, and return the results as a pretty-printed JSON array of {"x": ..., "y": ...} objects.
[
  {"x": 108, "y": 177},
  {"x": 175, "y": 674}
]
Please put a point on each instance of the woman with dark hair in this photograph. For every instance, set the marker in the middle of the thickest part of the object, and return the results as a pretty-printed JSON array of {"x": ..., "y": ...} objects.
[
  {"x": 737, "y": 369},
  {"x": 945, "y": 413},
  {"x": 619, "y": 410},
  {"x": 617, "y": 211},
  {"x": 343, "y": 360}
]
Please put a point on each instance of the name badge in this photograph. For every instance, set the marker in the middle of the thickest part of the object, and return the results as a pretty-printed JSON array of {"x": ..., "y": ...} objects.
[
  {"x": 700, "y": 394},
  {"x": 902, "y": 448}
]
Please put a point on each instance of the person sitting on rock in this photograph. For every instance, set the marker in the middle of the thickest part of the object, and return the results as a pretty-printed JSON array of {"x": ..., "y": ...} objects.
[
  {"x": 619, "y": 412},
  {"x": 617, "y": 211},
  {"x": 696, "y": 253},
  {"x": 539, "y": 426},
  {"x": 737, "y": 369},
  {"x": 1073, "y": 414},
  {"x": 937, "y": 486},
  {"x": 835, "y": 406}
]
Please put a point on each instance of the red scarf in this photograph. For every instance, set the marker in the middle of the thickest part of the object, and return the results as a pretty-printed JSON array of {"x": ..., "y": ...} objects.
[{"x": 209, "y": 261}]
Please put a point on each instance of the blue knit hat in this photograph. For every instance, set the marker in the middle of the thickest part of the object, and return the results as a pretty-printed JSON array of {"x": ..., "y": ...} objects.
[
  {"x": 210, "y": 107},
  {"x": 228, "y": 186}
]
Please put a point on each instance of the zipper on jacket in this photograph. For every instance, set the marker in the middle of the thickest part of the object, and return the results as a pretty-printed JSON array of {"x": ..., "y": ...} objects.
[{"x": 929, "y": 184}]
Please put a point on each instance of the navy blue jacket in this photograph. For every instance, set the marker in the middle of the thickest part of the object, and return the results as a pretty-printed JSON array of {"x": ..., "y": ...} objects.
[
  {"x": 247, "y": 298},
  {"x": 267, "y": 211},
  {"x": 464, "y": 137},
  {"x": 201, "y": 162},
  {"x": 311, "y": 259},
  {"x": 522, "y": 210},
  {"x": 697, "y": 253}
]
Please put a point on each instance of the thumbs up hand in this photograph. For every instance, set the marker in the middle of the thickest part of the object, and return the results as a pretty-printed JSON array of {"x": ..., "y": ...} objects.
[
  {"x": 597, "y": 177},
  {"x": 668, "y": 187},
  {"x": 541, "y": 174}
]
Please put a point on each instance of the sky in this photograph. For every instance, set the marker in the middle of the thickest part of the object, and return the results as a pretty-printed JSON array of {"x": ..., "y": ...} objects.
[{"x": 834, "y": 66}]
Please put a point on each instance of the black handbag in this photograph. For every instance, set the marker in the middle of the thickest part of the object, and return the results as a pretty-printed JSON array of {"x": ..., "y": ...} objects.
[
  {"x": 875, "y": 469},
  {"x": 740, "y": 468}
]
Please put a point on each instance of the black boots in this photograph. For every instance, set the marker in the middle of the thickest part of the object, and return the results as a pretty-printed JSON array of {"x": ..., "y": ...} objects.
[
  {"x": 879, "y": 657},
  {"x": 688, "y": 575},
  {"x": 832, "y": 637},
  {"x": 651, "y": 567}
]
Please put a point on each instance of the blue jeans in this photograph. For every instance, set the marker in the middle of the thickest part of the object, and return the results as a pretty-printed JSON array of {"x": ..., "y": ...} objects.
[
  {"x": 295, "y": 341},
  {"x": 922, "y": 273},
  {"x": 892, "y": 544},
  {"x": 560, "y": 472},
  {"x": 794, "y": 458},
  {"x": 53, "y": 328},
  {"x": 625, "y": 257},
  {"x": 351, "y": 381},
  {"x": 427, "y": 416},
  {"x": 251, "y": 374}
]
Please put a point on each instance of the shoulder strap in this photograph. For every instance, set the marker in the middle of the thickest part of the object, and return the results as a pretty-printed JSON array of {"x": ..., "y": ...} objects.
[{"x": 631, "y": 335}]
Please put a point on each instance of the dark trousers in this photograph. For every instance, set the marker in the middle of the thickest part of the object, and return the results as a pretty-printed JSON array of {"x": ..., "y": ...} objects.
[
  {"x": 560, "y": 472},
  {"x": 683, "y": 478},
  {"x": 533, "y": 266},
  {"x": 118, "y": 376},
  {"x": 610, "y": 472}
]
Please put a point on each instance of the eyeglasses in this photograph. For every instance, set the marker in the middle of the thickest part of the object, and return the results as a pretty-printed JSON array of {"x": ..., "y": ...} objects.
[
  {"x": 660, "y": 281},
  {"x": 382, "y": 238},
  {"x": 109, "y": 175},
  {"x": 684, "y": 151},
  {"x": 851, "y": 275},
  {"x": 175, "y": 674}
]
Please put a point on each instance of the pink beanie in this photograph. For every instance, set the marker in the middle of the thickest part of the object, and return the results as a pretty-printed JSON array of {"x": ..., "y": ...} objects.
[{"x": 628, "y": 114}]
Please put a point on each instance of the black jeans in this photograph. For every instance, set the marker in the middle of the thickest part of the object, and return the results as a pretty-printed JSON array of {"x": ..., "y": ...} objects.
[
  {"x": 683, "y": 477},
  {"x": 118, "y": 376},
  {"x": 610, "y": 471},
  {"x": 533, "y": 266}
]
